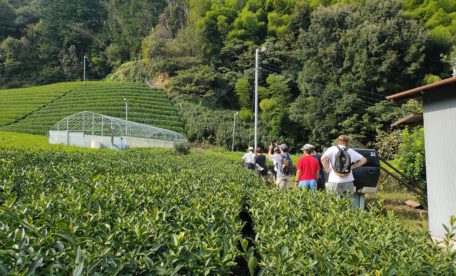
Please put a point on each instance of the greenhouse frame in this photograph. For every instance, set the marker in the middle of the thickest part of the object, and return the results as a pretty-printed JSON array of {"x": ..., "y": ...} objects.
[{"x": 92, "y": 130}]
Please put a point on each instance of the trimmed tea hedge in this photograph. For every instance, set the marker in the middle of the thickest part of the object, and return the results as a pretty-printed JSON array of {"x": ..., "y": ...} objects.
[
  {"x": 316, "y": 233},
  {"x": 147, "y": 106},
  {"x": 16, "y": 103},
  {"x": 158, "y": 212},
  {"x": 134, "y": 212}
]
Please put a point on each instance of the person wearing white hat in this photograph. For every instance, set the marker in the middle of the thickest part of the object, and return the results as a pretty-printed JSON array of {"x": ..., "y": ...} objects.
[
  {"x": 307, "y": 169},
  {"x": 249, "y": 159},
  {"x": 282, "y": 165}
]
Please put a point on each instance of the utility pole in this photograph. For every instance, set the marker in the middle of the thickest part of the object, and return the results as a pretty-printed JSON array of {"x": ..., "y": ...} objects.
[
  {"x": 257, "y": 51},
  {"x": 234, "y": 127},
  {"x": 85, "y": 58},
  {"x": 257, "y": 58}
]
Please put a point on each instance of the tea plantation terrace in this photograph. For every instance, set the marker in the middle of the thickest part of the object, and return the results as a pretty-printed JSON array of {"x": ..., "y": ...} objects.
[
  {"x": 17, "y": 103},
  {"x": 145, "y": 105}
]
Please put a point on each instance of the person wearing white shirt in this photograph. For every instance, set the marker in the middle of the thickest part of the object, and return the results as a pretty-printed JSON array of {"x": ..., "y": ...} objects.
[
  {"x": 343, "y": 185},
  {"x": 249, "y": 159}
]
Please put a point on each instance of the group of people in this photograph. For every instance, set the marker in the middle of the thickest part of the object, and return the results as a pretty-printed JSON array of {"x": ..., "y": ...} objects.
[{"x": 337, "y": 162}]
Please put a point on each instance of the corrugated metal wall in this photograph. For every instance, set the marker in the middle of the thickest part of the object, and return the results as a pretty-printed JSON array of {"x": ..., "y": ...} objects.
[{"x": 440, "y": 142}]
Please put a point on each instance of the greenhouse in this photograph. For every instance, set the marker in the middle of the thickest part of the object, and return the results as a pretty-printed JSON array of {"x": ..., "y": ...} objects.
[{"x": 92, "y": 130}]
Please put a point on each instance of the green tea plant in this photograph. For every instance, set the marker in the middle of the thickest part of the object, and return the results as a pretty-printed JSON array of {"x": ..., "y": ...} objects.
[
  {"x": 111, "y": 212},
  {"x": 16, "y": 103},
  {"x": 147, "y": 106},
  {"x": 312, "y": 232},
  {"x": 161, "y": 213}
]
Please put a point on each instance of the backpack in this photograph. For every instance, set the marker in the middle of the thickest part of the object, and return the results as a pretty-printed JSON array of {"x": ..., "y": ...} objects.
[
  {"x": 342, "y": 163},
  {"x": 286, "y": 164}
]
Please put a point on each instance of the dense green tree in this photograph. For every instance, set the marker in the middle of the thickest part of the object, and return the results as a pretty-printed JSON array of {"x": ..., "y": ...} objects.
[
  {"x": 250, "y": 24},
  {"x": 27, "y": 13},
  {"x": 197, "y": 83},
  {"x": 176, "y": 15},
  {"x": 213, "y": 28},
  {"x": 439, "y": 18},
  {"x": 71, "y": 63},
  {"x": 130, "y": 21},
  {"x": 69, "y": 23},
  {"x": 352, "y": 55},
  {"x": 7, "y": 17},
  {"x": 243, "y": 91},
  {"x": 12, "y": 56},
  {"x": 274, "y": 106}
]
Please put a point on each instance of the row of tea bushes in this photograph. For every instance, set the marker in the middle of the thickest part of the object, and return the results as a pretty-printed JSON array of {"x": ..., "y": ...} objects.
[
  {"x": 315, "y": 232},
  {"x": 155, "y": 212},
  {"x": 16, "y": 103},
  {"x": 135, "y": 212},
  {"x": 146, "y": 106}
]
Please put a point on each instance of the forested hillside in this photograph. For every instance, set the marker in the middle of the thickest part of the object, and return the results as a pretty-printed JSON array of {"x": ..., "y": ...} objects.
[{"x": 325, "y": 68}]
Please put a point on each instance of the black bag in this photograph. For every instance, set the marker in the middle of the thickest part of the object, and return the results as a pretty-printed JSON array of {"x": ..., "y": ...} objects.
[
  {"x": 286, "y": 164},
  {"x": 342, "y": 163}
]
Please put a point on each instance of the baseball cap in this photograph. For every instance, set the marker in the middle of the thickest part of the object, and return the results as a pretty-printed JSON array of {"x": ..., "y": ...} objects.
[
  {"x": 250, "y": 148},
  {"x": 283, "y": 146},
  {"x": 307, "y": 147}
]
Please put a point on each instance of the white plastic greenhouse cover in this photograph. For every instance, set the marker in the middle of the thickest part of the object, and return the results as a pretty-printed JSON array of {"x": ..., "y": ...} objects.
[{"x": 94, "y": 124}]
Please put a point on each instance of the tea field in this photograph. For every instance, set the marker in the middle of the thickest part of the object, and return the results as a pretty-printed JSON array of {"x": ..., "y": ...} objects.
[
  {"x": 17, "y": 103},
  {"x": 83, "y": 212},
  {"x": 146, "y": 105}
]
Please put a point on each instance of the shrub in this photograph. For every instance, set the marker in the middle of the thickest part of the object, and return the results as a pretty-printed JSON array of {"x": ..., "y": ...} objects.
[
  {"x": 411, "y": 158},
  {"x": 182, "y": 148}
]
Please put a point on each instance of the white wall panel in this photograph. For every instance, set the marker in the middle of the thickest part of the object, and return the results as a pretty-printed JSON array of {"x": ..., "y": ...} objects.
[{"x": 440, "y": 142}]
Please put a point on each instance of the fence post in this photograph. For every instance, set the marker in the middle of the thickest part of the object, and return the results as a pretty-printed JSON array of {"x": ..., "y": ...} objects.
[
  {"x": 67, "y": 140},
  {"x": 93, "y": 123}
]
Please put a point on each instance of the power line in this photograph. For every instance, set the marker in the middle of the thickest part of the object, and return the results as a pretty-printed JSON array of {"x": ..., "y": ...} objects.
[
  {"x": 278, "y": 69},
  {"x": 368, "y": 92},
  {"x": 267, "y": 68},
  {"x": 214, "y": 99},
  {"x": 365, "y": 98}
]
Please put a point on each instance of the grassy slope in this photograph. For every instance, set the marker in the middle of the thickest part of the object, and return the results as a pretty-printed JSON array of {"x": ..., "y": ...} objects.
[
  {"x": 393, "y": 198},
  {"x": 146, "y": 106},
  {"x": 16, "y": 103}
]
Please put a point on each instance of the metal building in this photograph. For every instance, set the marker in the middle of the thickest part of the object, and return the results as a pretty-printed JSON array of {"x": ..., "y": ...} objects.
[
  {"x": 440, "y": 144},
  {"x": 92, "y": 130}
]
